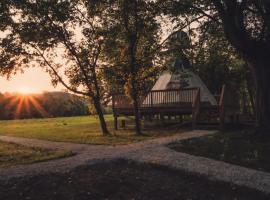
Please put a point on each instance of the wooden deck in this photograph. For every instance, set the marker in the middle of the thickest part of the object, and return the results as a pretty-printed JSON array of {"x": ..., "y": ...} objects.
[{"x": 173, "y": 103}]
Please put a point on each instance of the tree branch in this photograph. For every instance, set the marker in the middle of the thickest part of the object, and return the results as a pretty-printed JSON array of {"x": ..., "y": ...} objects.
[
  {"x": 200, "y": 10},
  {"x": 56, "y": 73},
  {"x": 73, "y": 52}
]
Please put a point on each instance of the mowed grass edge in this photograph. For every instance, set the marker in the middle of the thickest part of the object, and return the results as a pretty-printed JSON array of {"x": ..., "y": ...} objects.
[
  {"x": 83, "y": 129},
  {"x": 14, "y": 154}
]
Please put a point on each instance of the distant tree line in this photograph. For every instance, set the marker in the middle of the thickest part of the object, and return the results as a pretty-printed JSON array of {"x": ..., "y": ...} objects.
[{"x": 49, "y": 104}]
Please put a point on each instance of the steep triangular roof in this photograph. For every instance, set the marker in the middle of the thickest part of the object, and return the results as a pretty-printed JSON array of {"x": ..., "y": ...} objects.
[{"x": 186, "y": 79}]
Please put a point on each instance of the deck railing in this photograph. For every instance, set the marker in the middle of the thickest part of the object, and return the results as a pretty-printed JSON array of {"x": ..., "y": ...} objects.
[{"x": 159, "y": 98}]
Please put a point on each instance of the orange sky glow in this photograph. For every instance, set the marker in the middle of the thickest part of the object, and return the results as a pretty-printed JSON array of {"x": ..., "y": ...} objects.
[{"x": 33, "y": 80}]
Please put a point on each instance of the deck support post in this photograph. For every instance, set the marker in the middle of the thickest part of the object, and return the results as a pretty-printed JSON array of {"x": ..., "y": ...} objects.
[
  {"x": 115, "y": 123},
  {"x": 123, "y": 123}
]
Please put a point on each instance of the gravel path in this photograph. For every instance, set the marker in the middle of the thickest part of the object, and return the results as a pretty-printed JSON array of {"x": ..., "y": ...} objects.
[{"x": 151, "y": 151}]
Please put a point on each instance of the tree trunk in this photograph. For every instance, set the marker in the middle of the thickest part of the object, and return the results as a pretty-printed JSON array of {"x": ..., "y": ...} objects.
[
  {"x": 251, "y": 90},
  {"x": 137, "y": 114},
  {"x": 244, "y": 103},
  {"x": 134, "y": 83},
  {"x": 102, "y": 121},
  {"x": 262, "y": 80}
]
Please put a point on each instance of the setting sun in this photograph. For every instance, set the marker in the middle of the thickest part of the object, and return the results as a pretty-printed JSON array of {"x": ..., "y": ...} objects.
[{"x": 25, "y": 90}]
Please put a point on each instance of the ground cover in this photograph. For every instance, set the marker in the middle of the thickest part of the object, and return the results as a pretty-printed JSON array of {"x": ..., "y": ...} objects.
[
  {"x": 13, "y": 154},
  {"x": 79, "y": 130},
  {"x": 123, "y": 180},
  {"x": 243, "y": 147}
]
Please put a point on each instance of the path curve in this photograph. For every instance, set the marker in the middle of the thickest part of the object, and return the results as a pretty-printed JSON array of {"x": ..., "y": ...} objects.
[{"x": 152, "y": 151}]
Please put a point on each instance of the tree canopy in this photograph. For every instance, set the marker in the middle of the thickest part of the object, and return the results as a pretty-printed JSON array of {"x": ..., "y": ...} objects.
[{"x": 245, "y": 24}]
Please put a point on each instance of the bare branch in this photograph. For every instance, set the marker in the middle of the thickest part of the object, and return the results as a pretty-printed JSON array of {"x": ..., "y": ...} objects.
[
  {"x": 73, "y": 52},
  {"x": 174, "y": 32},
  {"x": 200, "y": 10},
  {"x": 56, "y": 73}
]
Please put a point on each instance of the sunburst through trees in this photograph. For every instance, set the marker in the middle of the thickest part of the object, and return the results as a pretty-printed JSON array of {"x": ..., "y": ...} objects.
[
  {"x": 47, "y": 104},
  {"x": 25, "y": 105}
]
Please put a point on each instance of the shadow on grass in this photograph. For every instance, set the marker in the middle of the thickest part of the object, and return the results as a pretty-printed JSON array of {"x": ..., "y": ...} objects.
[
  {"x": 242, "y": 147},
  {"x": 123, "y": 180}
]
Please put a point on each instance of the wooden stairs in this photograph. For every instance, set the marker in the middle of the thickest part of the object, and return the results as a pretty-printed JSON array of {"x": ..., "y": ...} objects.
[
  {"x": 209, "y": 118},
  {"x": 214, "y": 117}
]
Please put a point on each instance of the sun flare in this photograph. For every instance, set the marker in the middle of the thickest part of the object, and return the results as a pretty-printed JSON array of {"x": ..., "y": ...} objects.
[
  {"x": 25, "y": 103},
  {"x": 25, "y": 90}
]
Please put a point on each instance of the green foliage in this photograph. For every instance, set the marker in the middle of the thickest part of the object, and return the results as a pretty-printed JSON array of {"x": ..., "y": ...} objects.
[
  {"x": 216, "y": 61},
  {"x": 55, "y": 34},
  {"x": 246, "y": 27},
  {"x": 130, "y": 49},
  {"x": 213, "y": 57}
]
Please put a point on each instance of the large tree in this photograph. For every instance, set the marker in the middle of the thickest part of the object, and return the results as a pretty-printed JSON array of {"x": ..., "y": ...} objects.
[
  {"x": 64, "y": 37},
  {"x": 246, "y": 25},
  {"x": 6, "y": 59},
  {"x": 132, "y": 47}
]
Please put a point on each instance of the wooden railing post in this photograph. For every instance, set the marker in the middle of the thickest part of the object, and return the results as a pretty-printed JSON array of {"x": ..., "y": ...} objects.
[
  {"x": 196, "y": 108},
  {"x": 151, "y": 96}
]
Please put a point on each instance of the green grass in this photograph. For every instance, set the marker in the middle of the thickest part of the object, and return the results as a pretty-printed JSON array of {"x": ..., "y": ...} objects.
[
  {"x": 13, "y": 154},
  {"x": 239, "y": 147},
  {"x": 76, "y": 129}
]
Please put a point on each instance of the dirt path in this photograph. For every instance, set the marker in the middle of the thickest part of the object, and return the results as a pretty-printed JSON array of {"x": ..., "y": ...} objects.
[{"x": 152, "y": 151}]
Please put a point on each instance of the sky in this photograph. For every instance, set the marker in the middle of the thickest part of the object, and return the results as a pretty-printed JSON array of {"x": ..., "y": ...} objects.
[{"x": 33, "y": 80}]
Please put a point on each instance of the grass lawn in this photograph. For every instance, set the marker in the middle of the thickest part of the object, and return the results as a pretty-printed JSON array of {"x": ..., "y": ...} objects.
[
  {"x": 239, "y": 147},
  {"x": 13, "y": 154},
  {"x": 123, "y": 180},
  {"x": 75, "y": 129}
]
